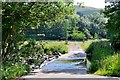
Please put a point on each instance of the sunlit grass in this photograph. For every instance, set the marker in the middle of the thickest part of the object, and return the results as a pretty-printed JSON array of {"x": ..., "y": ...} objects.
[
  {"x": 53, "y": 46},
  {"x": 85, "y": 44},
  {"x": 103, "y": 60},
  {"x": 110, "y": 66}
]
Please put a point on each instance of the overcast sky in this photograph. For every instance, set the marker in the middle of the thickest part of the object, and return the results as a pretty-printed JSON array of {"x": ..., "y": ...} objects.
[{"x": 92, "y": 3}]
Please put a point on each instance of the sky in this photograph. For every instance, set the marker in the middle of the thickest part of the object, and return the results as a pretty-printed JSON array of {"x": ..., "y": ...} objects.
[{"x": 92, "y": 3}]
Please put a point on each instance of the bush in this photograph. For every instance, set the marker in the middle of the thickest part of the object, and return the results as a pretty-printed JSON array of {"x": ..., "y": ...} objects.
[
  {"x": 110, "y": 66},
  {"x": 14, "y": 65},
  {"x": 14, "y": 70},
  {"x": 50, "y": 47},
  {"x": 78, "y": 36},
  {"x": 103, "y": 60},
  {"x": 99, "y": 50}
]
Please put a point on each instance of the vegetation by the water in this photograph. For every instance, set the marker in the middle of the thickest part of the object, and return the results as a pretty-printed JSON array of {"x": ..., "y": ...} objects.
[
  {"x": 10, "y": 70},
  {"x": 103, "y": 59},
  {"x": 13, "y": 69},
  {"x": 110, "y": 66},
  {"x": 112, "y": 13}
]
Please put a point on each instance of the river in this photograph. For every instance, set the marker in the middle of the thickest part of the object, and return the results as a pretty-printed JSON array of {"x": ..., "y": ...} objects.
[{"x": 72, "y": 62}]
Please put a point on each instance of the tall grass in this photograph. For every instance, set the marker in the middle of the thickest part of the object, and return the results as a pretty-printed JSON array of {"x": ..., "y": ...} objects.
[
  {"x": 104, "y": 60},
  {"x": 86, "y": 44},
  {"x": 110, "y": 66},
  {"x": 99, "y": 50},
  {"x": 52, "y": 46}
]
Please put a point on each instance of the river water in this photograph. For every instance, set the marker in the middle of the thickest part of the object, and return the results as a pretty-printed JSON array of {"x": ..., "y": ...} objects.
[{"x": 74, "y": 62}]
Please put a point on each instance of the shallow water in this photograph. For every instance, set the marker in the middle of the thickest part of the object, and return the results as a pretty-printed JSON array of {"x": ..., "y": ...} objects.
[{"x": 73, "y": 65}]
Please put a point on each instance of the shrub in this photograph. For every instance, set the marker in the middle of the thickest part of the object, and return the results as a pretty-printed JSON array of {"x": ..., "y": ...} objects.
[
  {"x": 78, "y": 36},
  {"x": 103, "y": 60},
  {"x": 99, "y": 50},
  {"x": 56, "y": 46},
  {"x": 14, "y": 70},
  {"x": 110, "y": 66}
]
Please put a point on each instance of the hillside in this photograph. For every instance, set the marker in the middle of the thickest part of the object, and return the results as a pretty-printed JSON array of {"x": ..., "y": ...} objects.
[{"x": 86, "y": 10}]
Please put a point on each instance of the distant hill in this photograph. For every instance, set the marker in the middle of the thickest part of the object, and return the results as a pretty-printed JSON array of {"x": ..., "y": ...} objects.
[{"x": 86, "y": 10}]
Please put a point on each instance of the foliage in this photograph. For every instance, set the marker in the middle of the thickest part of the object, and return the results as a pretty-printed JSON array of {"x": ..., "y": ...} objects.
[
  {"x": 52, "y": 47},
  {"x": 110, "y": 66},
  {"x": 34, "y": 14},
  {"x": 112, "y": 12},
  {"x": 83, "y": 27},
  {"x": 92, "y": 25},
  {"x": 14, "y": 70},
  {"x": 58, "y": 31},
  {"x": 99, "y": 50},
  {"x": 103, "y": 59},
  {"x": 77, "y": 36},
  {"x": 16, "y": 17},
  {"x": 15, "y": 65}
]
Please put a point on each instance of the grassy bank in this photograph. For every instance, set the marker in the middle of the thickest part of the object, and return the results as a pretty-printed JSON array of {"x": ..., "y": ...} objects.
[
  {"x": 103, "y": 59},
  {"x": 86, "y": 44}
]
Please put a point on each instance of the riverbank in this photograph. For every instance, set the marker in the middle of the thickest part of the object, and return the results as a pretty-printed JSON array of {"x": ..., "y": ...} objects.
[
  {"x": 103, "y": 59},
  {"x": 33, "y": 53}
]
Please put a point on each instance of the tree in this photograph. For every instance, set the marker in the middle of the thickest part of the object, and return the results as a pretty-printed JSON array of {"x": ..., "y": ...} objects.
[
  {"x": 93, "y": 24},
  {"x": 57, "y": 31},
  {"x": 112, "y": 12},
  {"x": 77, "y": 35},
  {"x": 17, "y": 16}
]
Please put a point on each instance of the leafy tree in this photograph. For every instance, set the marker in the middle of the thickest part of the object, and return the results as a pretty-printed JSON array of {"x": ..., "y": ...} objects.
[
  {"x": 17, "y": 16},
  {"x": 77, "y": 35},
  {"x": 112, "y": 12},
  {"x": 93, "y": 24},
  {"x": 58, "y": 31}
]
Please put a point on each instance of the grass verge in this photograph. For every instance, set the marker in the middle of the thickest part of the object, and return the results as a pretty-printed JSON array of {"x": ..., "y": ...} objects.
[{"x": 103, "y": 59}]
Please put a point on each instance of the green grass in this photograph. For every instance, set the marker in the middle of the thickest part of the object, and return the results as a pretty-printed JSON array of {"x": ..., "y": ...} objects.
[
  {"x": 85, "y": 44},
  {"x": 100, "y": 50},
  {"x": 110, "y": 66},
  {"x": 52, "y": 46},
  {"x": 103, "y": 60}
]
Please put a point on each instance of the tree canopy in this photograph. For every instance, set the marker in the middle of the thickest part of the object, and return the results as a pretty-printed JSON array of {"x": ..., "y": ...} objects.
[
  {"x": 16, "y": 16},
  {"x": 112, "y": 12}
]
